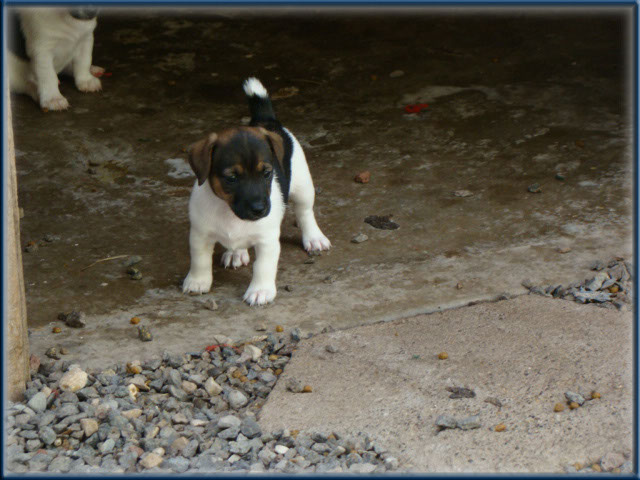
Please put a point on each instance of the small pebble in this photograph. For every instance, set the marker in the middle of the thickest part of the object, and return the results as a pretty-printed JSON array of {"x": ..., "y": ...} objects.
[
  {"x": 560, "y": 177},
  {"x": 331, "y": 348},
  {"x": 144, "y": 334},
  {"x": 135, "y": 320},
  {"x": 462, "y": 193},
  {"x": 443, "y": 355},
  {"x": 132, "y": 260},
  {"x": 563, "y": 250},
  {"x": 64, "y": 351},
  {"x": 288, "y": 288},
  {"x": 558, "y": 407},
  {"x": 75, "y": 320},
  {"x": 574, "y": 405},
  {"x": 501, "y": 427},
  {"x": 459, "y": 285},
  {"x": 362, "y": 177},
  {"x": 211, "y": 304},
  {"x": 56, "y": 330},
  {"x": 52, "y": 353},
  {"x": 595, "y": 395},
  {"x": 534, "y": 188},
  {"x": 396, "y": 74},
  {"x": 279, "y": 328},
  {"x": 361, "y": 237},
  {"x": 307, "y": 389},
  {"x": 596, "y": 468}
]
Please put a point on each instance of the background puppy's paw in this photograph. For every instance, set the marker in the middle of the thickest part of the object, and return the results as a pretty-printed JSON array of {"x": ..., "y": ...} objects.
[
  {"x": 316, "y": 242},
  {"x": 54, "y": 103},
  {"x": 259, "y": 295},
  {"x": 235, "y": 258},
  {"x": 194, "y": 284},
  {"x": 88, "y": 84},
  {"x": 96, "y": 71}
]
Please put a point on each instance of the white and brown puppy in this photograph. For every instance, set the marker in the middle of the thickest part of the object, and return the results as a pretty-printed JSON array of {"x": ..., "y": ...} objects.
[
  {"x": 46, "y": 41},
  {"x": 245, "y": 177}
]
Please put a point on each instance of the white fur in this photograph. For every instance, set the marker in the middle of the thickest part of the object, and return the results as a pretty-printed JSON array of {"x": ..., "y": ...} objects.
[
  {"x": 213, "y": 221},
  {"x": 253, "y": 86},
  {"x": 55, "y": 42}
]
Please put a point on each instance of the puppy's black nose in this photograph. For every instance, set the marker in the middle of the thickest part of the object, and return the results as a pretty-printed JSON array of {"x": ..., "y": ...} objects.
[{"x": 258, "y": 207}]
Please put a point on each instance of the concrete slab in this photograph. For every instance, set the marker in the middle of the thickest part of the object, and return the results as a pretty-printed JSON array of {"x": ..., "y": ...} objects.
[
  {"x": 386, "y": 380},
  {"x": 502, "y": 115}
]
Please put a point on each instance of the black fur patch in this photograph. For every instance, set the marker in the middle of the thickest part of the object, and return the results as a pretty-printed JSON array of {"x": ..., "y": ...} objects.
[
  {"x": 15, "y": 38},
  {"x": 283, "y": 177}
]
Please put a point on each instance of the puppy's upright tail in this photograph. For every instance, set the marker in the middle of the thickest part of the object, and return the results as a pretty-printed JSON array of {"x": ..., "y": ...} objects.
[{"x": 259, "y": 101}]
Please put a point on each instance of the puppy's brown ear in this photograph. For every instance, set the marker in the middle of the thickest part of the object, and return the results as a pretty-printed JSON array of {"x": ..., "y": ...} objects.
[
  {"x": 276, "y": 144},
  {"x": 200, "y": 157}
]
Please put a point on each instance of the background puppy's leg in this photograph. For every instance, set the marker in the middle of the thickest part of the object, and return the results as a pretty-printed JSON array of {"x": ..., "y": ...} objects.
[
  {"x": 20, "y": 80},
  {"x": 235, "y": 258},
  {"x": 200, "y": 275},
  {"x": 262, "y": 288},
  {"x": 47, "y": 81},
  {"x": 85, "y": 80},
  {"x": 302, "y": 194}
]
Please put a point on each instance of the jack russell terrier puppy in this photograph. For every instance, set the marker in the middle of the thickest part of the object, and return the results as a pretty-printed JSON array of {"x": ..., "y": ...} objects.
[
  {"x": 46, "y": 41},
  {"x": 245, "y": 177}
]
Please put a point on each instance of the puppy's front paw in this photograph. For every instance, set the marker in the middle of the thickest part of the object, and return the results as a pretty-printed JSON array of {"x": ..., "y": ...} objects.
[
  {"x": 235, "y": 258},
  {"x": 260, "y": 295},
  {"x": 315, "y": 242},
  {"x": 88, "y": 84},
  {"x": 194, "y": 284},
  {"x": 56, "y": 103},
  {"x": 96, "y": 71}
]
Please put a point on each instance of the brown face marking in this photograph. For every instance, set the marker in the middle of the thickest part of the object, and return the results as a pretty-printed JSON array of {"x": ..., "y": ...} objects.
[{"x": 216, "y": 186}]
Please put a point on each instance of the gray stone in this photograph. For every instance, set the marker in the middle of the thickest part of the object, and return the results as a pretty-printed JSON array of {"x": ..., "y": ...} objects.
[
  {"x": 38, "y": 402},
  {"x": 178, "y": 393},
  {"x": 229, "y": 421},
  {"x": 229, "y": 433},
  {"x": 250, "y": 428},
  {"x": 469, "y": 423},
  {"x": 331, "y": 348},
  {"x": 611, "y": 460},
  {"x": 237, "y": 399},
  {"x": 266, "y": 455},
  {"x": 266, "y": 377},
  {"x": 362, "y": 468},
  {"x": 107, "y": 446},
  {"x": 39, "y": 462},
  {"x": 295, "y": 334},
  {"x": 293, "y": 385},
  {"x": 361, "y": 237},
  {"x": 178, "y": 464},
  {"x": 574, "y": 397},
  {"x": 33, "y": 445},
  {"x": 191, "y": 449},
  {"x": 66, "y": 410},
  {"x": 60, "y": 464},
  {"x": 47, "y": 435},
  {"x": 596, "y": 282},
  {"x": 446, "y": 421}
]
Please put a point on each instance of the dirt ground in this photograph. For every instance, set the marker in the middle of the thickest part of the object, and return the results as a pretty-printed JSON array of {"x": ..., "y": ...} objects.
[{"x": 514, "y": 97}]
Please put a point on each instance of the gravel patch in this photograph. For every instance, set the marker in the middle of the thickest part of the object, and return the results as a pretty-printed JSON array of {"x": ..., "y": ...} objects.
[
  {"x": 191, "y": 413},
  {"x": 611, "y": 287}
]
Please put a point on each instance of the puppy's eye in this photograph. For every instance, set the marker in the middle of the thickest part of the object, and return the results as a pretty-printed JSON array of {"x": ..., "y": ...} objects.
[
  {"x": 267, "y": 173},
  {"x": 231, "y": 179}
]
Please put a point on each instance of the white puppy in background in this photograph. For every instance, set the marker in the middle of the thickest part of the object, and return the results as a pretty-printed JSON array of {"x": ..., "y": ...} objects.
[{"x": 46, "y": 41}]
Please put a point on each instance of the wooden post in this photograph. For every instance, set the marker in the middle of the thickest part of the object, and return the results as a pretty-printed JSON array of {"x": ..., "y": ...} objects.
[{"x": 17, "y": 340}]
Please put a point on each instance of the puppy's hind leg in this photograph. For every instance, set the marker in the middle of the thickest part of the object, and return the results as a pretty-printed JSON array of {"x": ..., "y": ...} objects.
[
  {"x": 302, "y": 194},
  {"x": 200, "y": 275},
  {"x": 235, "y": 258},
  {"x": 20, "y": 77}
]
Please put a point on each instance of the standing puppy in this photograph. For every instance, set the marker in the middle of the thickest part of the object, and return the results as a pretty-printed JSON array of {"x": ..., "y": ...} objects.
[
  {"x": 245, "y": 176},
  {"x": 46, "y": 41}
]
